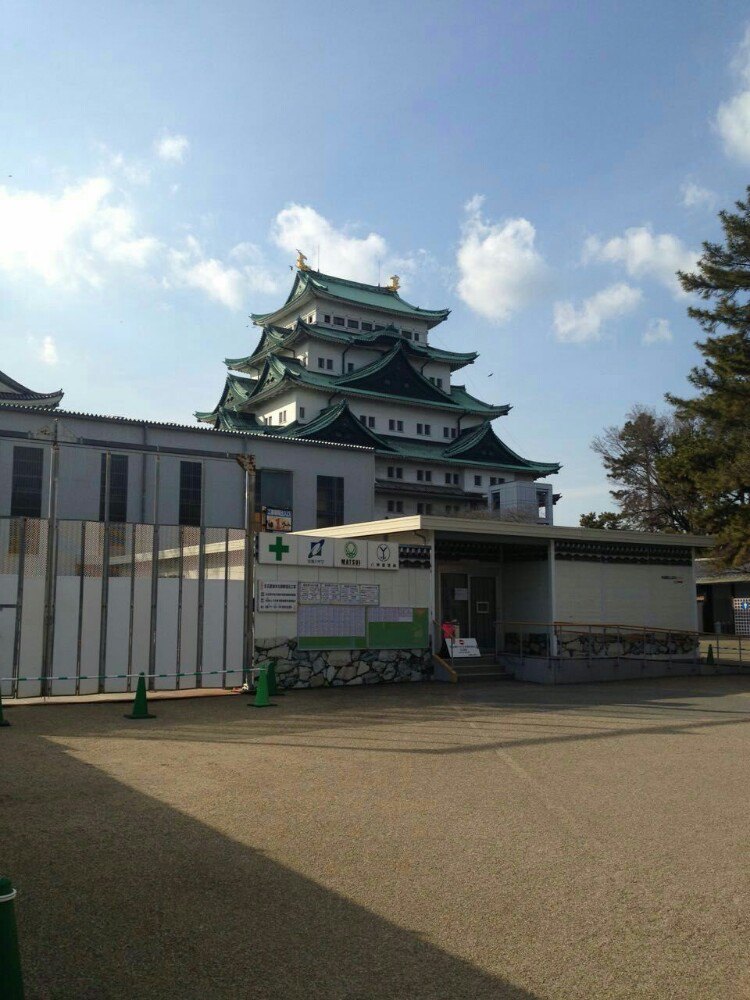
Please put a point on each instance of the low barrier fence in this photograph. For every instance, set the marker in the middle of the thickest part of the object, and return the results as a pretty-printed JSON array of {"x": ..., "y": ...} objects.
[
  {"x": 579, "y": 641},
  {"x": 85, "y": 606}
]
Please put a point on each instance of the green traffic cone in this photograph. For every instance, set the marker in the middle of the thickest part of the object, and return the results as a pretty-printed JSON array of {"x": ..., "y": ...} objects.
[
  {"x": 261, "y": 690},
  {"x": 3, "y": 721},
  {"x": 710, "y": 656},
  {"x": 273, "y": 688},
  {"x": 11, "y": 978},
  {"x": 140, "y": 706}
]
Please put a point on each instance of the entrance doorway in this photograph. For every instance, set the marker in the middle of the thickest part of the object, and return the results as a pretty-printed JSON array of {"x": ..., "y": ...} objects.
[
  {"x": 482, "y": 612},
  {"x": 470, "y": 600}
]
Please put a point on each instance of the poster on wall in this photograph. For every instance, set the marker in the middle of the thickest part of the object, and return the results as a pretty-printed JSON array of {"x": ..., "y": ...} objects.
[{"x": 277, "y": 519}]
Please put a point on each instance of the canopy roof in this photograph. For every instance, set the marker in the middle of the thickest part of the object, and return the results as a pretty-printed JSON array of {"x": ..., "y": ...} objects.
[{"x": 314, "y": 284}]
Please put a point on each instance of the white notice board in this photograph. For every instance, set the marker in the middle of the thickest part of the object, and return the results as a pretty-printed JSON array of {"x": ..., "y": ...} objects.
[
  {"x": 362, "y": 594},
  {"x": 323, "y": 621},
  {"x": 276, "y": 596},
  {"x": 463, "y": 647}
]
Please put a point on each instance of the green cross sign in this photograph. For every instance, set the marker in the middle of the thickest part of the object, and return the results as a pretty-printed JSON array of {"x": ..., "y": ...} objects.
[{"x": 278, "y": 548}]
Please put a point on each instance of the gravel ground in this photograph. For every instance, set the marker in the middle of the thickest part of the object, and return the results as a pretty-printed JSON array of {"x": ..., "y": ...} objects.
[{"x": 420, "y": 841}]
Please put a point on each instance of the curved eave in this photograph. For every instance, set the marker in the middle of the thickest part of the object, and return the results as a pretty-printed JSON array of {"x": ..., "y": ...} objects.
[
  {"x": 314, "y": 282},
  {"x": 411, "y": 312}
]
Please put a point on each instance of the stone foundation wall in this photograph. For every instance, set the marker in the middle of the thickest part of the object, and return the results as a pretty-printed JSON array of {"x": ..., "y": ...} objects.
[{"x": 309, "y": 668}]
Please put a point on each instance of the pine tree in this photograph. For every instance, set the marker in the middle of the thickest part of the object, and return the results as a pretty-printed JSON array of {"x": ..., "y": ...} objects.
[
  {"x": 648, "y": 498},
  {"x": 713, "y": 460}
]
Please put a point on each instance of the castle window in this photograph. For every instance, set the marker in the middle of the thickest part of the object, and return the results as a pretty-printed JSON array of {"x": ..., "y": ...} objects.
[
  {"x": 327, "y": 319},
  {"x": 420, "y": 475},
  {"x": 321, "y": 363},
  {"x": 416, "y": 336},
  {"x": 428, "y": 476},
  {"x": 329, "y": 364},
  {"x": 353, "y": 324},
  {"x": 446, "y": 432},
  {"x": 338, "y": 320},
  {"x": 371, "y": 421},
  {"x": 424, "y": 429},
  {"x": 424, "y": 508},
  {"x": 390, "y": 472},
  {"x": 407, "y": 334},
  {"x": 439, "y": 383},
  {"x": 366, "y": 326},
  {"x": 454, "y": 432},
  {"x": 477, "y": 480},
  {"x": 455, "y": 479},
  {"x": 350, "y": 366},
  {"x": 447, "y": 479},
  {"x": 301, "y": 411},
  {"x": 363, "y": 419},
  {"x": 399, "y": 472}
]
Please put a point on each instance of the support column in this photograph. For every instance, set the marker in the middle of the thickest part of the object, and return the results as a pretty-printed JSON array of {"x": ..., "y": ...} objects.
[{"x": 552, "y": 597}]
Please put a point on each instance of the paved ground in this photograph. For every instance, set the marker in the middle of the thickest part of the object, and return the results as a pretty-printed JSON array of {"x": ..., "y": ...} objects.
[{"x": 406, "y": 842}]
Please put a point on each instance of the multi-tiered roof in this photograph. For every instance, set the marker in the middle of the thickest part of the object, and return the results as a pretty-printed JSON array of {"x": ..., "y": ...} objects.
[{"x": 273, "y": 369}]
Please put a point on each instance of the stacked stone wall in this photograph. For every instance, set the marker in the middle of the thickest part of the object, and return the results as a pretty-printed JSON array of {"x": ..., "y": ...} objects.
[{"x": 311, "y": 668}]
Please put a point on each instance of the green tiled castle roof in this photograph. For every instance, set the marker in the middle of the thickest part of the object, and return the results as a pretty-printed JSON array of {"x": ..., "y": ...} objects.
[
  {"x": 274, "y": 338},
  {"x": 354, "y": 293},
  {"x": 477, "y": 446}
]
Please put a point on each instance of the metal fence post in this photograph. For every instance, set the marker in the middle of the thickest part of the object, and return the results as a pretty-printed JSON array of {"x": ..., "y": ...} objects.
[
  {"x": 154, "y": 580},
  {"x": 201, "y": 604},
  {"x": 226, "y": 607},
  {"x": 19, "y": 609},
  {"x": 50, "y": 580},
  {"x": 104, "y": 609},
  {"x": 79, "y": 628},
  {"x": 247, "y": 462},
  {"x": 180, "y": 588},
  {"x": 131, "y": 615}
]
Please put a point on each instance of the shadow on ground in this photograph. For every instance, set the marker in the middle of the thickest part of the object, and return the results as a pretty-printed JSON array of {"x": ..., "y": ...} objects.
[{"x": 123, "y": 896}]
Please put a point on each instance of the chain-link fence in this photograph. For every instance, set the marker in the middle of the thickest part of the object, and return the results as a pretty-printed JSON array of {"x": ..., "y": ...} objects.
[{"x": 104, "y": 602}]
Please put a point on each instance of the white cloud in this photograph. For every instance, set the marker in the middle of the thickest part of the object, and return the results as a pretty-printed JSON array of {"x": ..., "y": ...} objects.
[
  {"x": 578, "y": 325},
  {"x": 657, "y": 331},
  {"x": 172, "y": 148},
  {"x": 69, "y": 238},
  {"x": 644, "y": 254},
  {"x": 132, "y": 171},
  {"x": 695, "y": 196},
  {"x": 733, "y": 116},
  {"x": 227, "y": 283},
  {"x": 45, "y": 350},
  {"x": 500, "y": 270},
  {"x": 300, "y": 227}
]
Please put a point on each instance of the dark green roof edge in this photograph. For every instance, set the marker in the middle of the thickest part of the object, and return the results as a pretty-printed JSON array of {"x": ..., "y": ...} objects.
[
  {"x": 317, "y": 332},
  {"x": 317, "y": 281}
]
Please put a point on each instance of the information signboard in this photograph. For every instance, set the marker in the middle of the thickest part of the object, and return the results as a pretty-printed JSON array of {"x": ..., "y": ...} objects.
[
  {"x": 339, "y": 593},
  {"x": 276, "y": 596}
]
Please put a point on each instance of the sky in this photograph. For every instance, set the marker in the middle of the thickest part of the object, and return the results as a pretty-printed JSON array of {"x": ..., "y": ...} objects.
[{"x": 542, "y": 169}]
